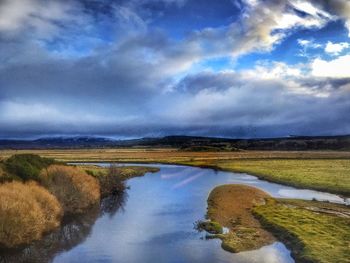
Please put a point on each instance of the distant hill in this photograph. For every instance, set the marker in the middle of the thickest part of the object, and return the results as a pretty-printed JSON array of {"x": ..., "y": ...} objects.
[{"x": 187, "y": 143}]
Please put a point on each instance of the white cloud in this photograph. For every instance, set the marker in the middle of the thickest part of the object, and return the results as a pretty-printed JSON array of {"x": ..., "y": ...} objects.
[
  {"x": 275, "y": 70},
  {"x": 128, "y": 18},
  {"x": 304, "y": 42},
  {"x": 310, "y": 9},
  {"x": 336, "y": 48},
  {"x": 308, "y": 43},
  {"x": 305, "y": 45},
  {"x": 337, "y": 68},
  {"x": 262, "y": 25},
  {"x": 40, "y": 16}
]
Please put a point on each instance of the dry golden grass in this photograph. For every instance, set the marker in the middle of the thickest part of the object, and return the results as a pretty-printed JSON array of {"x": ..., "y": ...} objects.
[
  {"x": 27, "y": 211},
  {"x": 2, "y": 172},
  {"x": 73, "y": 187},
  {"x": 231, "y": 206},
  {"x": 169, "y": 155}
]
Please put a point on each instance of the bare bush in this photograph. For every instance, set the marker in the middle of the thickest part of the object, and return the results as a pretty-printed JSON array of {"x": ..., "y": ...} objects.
[{"x": 111, "y": 183}]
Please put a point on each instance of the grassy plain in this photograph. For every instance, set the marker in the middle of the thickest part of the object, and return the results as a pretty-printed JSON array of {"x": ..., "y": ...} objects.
[
  {"x": 316, "y": 232},
  {"x": 320, "y": 170},
  {"x": 321, "y": 174}
]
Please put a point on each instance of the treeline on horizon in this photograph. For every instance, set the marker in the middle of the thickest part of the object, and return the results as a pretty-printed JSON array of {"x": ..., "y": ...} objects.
[{"x": 188, "y": 143}]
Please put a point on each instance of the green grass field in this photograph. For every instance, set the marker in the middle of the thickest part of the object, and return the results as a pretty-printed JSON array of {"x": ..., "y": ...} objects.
[
  {"x": 324, "y": 175},
  {"x": 317, "y": 232}
]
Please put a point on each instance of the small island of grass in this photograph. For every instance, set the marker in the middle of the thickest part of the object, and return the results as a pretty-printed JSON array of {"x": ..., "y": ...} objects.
[{"x": 231, "y": 206}]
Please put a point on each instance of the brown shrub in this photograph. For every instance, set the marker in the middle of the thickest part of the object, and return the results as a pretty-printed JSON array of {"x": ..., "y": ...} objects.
[
  {"x": 73, "y": 187},
  {"x": 49, "y": 203},
  {"x": 26, "y": 212},
  {"x": 111, "y": 183}
]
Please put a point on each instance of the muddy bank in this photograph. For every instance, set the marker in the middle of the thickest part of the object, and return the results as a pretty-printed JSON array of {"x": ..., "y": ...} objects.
[{"x": 231, "y": 207}]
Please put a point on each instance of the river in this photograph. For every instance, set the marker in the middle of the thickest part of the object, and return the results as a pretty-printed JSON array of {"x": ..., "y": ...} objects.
[{"x": 155, "y": 222}]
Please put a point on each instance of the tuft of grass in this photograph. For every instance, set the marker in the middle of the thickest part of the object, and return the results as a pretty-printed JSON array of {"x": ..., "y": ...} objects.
[
  {"x": 211, "y": 227},
  {"x": 27, "y": 211},
  {"x": 315, "y": 232},
  {"x": 5, "y": 176},
  {"x": 73, "y": 187},
  {"x": 26, "y": 166}
]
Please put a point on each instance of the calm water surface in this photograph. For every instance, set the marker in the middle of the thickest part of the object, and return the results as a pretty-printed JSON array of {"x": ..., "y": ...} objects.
[{"x": 156, "y": 223}]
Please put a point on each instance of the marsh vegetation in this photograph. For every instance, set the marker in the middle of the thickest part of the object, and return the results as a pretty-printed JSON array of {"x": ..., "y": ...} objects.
[
  {"x": 315, "y": 231},
  {"x": 308, "y": 228},
  {"x": 27, "y": 211},
  {"x": 38, "y": 193}
]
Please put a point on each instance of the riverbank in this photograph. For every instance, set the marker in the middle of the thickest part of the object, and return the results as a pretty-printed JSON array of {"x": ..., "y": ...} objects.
[
  {"x": 123, "y": 172},
  {"x": 37, "y": 194},
  {"x": 318, "y": 170},
  {"x": 332, "y": 176},
  {"x": 314, "y": 231}
]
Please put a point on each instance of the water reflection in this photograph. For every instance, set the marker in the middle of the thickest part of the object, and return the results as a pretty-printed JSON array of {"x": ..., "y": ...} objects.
[
  {"x": 74, "y": 230},
  {"x": 266, "y": 254}
]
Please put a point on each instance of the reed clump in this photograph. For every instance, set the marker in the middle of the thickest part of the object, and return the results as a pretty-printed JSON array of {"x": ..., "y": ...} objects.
[
  {"x": 27, "y": 211},
  {"x": 73, "y": 187}
]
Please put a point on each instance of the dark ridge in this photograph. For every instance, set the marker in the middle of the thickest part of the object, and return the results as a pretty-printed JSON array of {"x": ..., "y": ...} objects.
[{"x": 188, "y": 143}]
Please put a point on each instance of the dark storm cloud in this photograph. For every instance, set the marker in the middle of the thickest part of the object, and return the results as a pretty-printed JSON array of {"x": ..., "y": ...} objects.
[
  {"x": 240, "y": 101},
  {"x": 208, "y": 80},
  {"x": 126, "y": 72},
  {"x": 113, "y": 68}
]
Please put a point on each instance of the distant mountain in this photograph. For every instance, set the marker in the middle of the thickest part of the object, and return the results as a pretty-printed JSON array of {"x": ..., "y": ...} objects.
[{"x": 187, "y": 143}]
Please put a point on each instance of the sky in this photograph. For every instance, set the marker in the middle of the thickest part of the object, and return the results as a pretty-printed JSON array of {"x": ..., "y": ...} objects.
[{"x": 146, "y": 68}]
